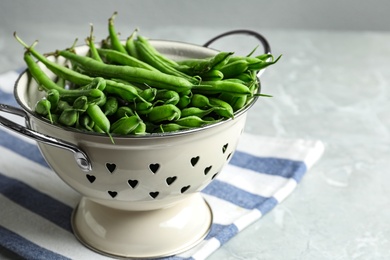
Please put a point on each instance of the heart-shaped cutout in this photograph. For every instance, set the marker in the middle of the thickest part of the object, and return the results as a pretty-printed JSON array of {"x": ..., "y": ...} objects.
[
  {"x": 132, "y": 183},
  {"x": 207, "y": 169},
  {"x": 228, "y": 157},
  {"x": 154, "y": 167},
  {"x": 170, "y": 180},
  {"x": 111, "y": 167},
  {"x": 113, "y": 193},
  {"x": 91, "y": 178},
  {"x": 224, "y": 148},
  {"x": 194, "y": 160},
  {"x": 154, "y": 194},
  {"x": 185, "y": 188}
]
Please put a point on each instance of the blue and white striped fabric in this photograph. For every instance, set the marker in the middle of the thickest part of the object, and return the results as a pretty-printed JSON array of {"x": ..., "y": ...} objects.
[{"x": 36, "y": 206}]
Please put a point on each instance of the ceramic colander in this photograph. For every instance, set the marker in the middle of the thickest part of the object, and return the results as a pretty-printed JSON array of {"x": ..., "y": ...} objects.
[{"x": 140, "y": 196}]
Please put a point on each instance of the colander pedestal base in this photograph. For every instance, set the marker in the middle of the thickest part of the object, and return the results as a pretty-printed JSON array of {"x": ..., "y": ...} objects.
[{"x": 142, "y": 234}]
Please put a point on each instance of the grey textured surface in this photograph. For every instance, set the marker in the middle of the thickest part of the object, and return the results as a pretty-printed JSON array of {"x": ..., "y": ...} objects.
[{"x": 332, "y": 84}]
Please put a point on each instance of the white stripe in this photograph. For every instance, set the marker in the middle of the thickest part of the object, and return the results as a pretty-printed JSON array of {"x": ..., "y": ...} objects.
[
  {"x": 293, "y": 149},
  {"x": 42, "y": 232},
  {"x": 224, "y": 212},
  {"x": 37, "y": 176},
  {"x": 7, "y": 81},
  {"x": 288, "y": 188},
  {"x": 207, "y": 249},
  {"x": 254, "y": 182},
  {"x": 247, "y": 219}
]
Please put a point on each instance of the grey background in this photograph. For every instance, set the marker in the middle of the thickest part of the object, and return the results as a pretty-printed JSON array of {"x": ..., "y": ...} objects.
[{"x": 57, "y": 23}]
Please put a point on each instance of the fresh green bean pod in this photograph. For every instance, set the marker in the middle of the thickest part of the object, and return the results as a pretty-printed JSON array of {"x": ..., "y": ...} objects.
[
  {"x": 92, "y": 47},
  {"x": 155, "y": 52},
  {"x": 111, "y": 106},
  {"x": 68, "y": 117},
  {"x": 193, "y": 121},
  {"x": 116, "y": 43},
  {"x": 98, "y": 116},
  {"x": 53, "y": 96},
  {"x": 195, "y": 111},
  {"x": 81, "y": 104},
  {"x": 124, "y": 111},
  {"x": 138, "y": 75},
  {"x": 167, "y": 97},
  {"x": 235, "y": 68},
  {"x": 184, "y": 101},
  {"x": 162, "y": 113},
  {"x": 130, "y": 45},
  {"x": 221, "y": 107},
  {"x": 43, "y": 107},
  {"x": 222, "y": 86},
  {"x": 140, "y": 129},
  {"x": 116, "y": 57},
  {"x": 170, "y": 127},
  {"x": 125, "y": 125},
  {"x": 212, "y": 75},
  {"x": 148, "y": 57}
]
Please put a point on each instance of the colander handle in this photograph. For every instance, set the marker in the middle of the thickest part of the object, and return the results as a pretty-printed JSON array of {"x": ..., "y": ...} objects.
[
  {"x": 82, "y": 159},
  {"x": 258, "y": 36}
]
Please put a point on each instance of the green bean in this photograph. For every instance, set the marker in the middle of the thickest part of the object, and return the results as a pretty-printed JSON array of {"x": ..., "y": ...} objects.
[
  {"x": 130, "y": 45},
  {"x": 200, "y": 101},
  {"x": 81, "y": 104},
  {"x": 212, "y": 75},
  {"x": 137, "y": 75},
  {"x": 142, "y": 108},
  {"x": 235, "y": 68},
  {"x": 54, "y": 97},
  {"x": 148, "y": 94},
  {"x": 125, "y": 125},
  {"x": 86, "y": 122},
  {"x": 222, "y": 86},
  {"x": 36, "y": 72},
  {"x": 195, "y": 111},
  {"x": 63, "y": 105},
  {"x": 237, "y": 102},
  {"x": 111, "y": 106},
  {"x": 140, "y": 129},
  {"x": 92, "y": 48},
  {"x": 123, "y": 111},
  {"x": 262, "y": 64},
  {"x": 171, "y": 127},
  {"x": 147, "y": 55},
  {"x": 201, "y": 66},
  {"x": 155, "y": 52},
  {"x": 68, "y": 117},
  {"x": 193, "y": 121},
  {"x": 115, "y": 57},
  {"x": 167, "y": 97},
  {"x": 115, "y": 41},
  {"x": 162, "y": 113},
  {"x": 100, "y": 119},
  {"x": 43, "y": 108},
  {"x": 221, "y": 107},
  {"x": 184, "y": 101}
]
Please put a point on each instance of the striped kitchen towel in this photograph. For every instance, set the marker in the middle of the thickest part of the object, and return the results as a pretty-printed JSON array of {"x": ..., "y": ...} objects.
[{"x": 36, "y": 206}]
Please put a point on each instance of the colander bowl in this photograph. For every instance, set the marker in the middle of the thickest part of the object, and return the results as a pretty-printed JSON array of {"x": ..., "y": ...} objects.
[{"x": 140, "y": 196}]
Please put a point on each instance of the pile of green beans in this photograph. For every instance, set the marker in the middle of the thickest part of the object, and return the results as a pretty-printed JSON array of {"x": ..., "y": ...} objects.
[{"x": 130, "y": 88}]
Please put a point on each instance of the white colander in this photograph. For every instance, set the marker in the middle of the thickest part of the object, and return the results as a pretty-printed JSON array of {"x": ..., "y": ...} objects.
[{"x": 140, "y": 196}]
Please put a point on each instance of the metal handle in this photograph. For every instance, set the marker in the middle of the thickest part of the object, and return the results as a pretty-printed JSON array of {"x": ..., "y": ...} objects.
[
  {"x": 261, "y": 38},
  {"x": 81, "y": 158}
]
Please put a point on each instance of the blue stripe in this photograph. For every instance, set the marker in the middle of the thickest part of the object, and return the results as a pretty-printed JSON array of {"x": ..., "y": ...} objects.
[
  {"x": 25, "y": 248},
  {"x": 8, "y": 98},
  {"x": 23, "y": 148},
  {"x": 239, "y": 197},
  {"x": 222, "y": 232},
  {"x": 36, "y": 201},
  {"x": 269, "y": 165}
]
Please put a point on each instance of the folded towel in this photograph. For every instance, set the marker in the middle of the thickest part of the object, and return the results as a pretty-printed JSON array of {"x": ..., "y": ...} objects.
[{"x": 36, "y": 206}]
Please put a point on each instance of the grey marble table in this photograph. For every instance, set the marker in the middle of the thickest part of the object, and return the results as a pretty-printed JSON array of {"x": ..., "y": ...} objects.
[{"x": 330, "y": 86}]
